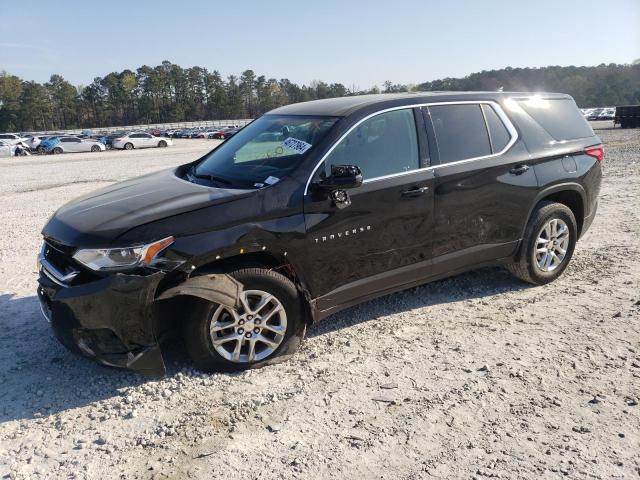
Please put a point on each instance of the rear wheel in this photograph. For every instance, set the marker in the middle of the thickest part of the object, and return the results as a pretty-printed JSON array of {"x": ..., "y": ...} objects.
[
  {"x": 266, "y": 327},
  {"x": 95, "y": 148},
  {"x": 128, "y": 146},
  {"x": 162, "y": 144},
  {"x": 548, "y": 244}
]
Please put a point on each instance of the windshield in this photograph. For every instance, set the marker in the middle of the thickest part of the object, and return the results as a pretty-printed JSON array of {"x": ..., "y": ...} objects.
[{"x": 264, "y": 151}]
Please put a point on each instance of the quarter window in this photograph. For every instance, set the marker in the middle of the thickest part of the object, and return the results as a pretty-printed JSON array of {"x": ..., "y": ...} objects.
[
  {"x": 382, "y": 145},
  {"x": 461, "y": 132},
  {"x": 498, "y": 133}
]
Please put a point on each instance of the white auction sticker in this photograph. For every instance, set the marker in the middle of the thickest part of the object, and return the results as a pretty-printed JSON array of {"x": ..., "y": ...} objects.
[
  {"x": 297, "y": 145},
  {"x": 271, "y": 180}
]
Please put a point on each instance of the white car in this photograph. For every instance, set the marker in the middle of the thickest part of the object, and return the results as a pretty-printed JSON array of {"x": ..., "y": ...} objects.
[
  {"x": 6, "y": 150},
  {"x": 11, "y": 138},
  {"x": 140, "y": 140},
  {"x": 34, "y": 141},
  {"x": 75, "y": 144}
]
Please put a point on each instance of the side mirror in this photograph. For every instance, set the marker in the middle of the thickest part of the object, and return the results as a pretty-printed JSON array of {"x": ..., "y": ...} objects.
[{"x": 342, "y": 177}]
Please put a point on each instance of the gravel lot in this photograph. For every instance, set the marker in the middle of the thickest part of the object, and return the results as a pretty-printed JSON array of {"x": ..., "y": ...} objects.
[{"x": 472, "y": 377}]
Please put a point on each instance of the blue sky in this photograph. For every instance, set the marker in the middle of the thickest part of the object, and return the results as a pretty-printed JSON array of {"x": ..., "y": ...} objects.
[{"x": 357, "y": 43}]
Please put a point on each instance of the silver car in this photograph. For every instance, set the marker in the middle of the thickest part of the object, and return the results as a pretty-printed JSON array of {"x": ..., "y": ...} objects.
[{"x": 75, "y": 144}]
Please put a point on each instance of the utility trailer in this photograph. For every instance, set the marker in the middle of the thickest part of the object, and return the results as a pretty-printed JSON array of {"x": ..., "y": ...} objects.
[{"x": 627, "y": 116}]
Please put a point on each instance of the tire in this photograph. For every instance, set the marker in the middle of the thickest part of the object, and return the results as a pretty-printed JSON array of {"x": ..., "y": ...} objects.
[
  {"x": 162, "y": 144},
  {"x": 198, "y": 339},
  {"x": 95, "y": 148},
  {"x": 40, "y": 150},
  {"x": 528, "y": 268},
  {"x": 57, "y": 151},
  {"x": 128, "y": 146}
]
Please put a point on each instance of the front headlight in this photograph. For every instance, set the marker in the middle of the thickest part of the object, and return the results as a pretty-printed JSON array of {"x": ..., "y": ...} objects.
[{"x": 121, "y": 258}]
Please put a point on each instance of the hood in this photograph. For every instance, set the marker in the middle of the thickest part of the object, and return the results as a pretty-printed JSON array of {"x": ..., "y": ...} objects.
[{"x": 99, "y": 218}]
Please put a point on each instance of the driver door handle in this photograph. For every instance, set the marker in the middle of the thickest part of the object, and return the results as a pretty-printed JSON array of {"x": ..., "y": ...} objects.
[
  {"x": 415, "y": 192},
  {"x": 519, "y": 169}
]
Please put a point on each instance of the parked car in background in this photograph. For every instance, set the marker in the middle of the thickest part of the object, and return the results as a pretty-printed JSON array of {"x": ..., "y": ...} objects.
[
  {"x": 206, "y": 133},
  {"x": 595, "y": 113},
  {"x": 607, "y": 114},
  {"x": 12, "y": 138},
  {"x": 188, "y": 133},
  {"x": 215, "y": 130},
  {"x": 41, "y": 148},
  {"x": 156, "y": 132},
  {"x": 6, "y": 149},
  {"x": 225, "y": 134},
  {"x": 34, "y": 141},
  {"x": 140, "y": 140},
  {"x": 69, "y": 144},
  {"x": 109, "y": 138}
]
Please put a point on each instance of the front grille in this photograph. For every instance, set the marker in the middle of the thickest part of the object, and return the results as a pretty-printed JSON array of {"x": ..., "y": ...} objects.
[
  {"x": 58, "y": 257},
  {"x": 57, "y": 264}
]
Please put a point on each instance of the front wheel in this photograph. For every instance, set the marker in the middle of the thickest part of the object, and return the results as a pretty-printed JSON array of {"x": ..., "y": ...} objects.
[
  {"x": 128, "y": 146},
  {"x": 266, "y": 327},
  {"x": 95, "y": 148},
  {"x": 57, "y": 150},
  {"x": 548, "y": 244},
  {"x": 162, "y": 144}
]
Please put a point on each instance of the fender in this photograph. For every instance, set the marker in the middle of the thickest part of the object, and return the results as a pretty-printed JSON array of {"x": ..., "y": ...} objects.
[
  {"x": 559, "y": 187},
  {"x": 218, "y": 288}
]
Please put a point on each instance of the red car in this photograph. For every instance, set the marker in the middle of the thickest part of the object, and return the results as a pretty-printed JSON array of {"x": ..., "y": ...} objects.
[{"x": 224, "y": 134}]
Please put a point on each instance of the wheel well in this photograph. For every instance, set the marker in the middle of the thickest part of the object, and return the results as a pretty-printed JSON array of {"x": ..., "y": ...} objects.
[
  {"x": 260, "y": 260},
  {"x": 573, "y": 200}
]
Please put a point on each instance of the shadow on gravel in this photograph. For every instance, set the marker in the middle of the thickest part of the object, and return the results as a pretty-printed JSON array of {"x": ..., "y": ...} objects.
[
  {"x": 40, "y": 377},
  {"x": 475, "y": 284}
]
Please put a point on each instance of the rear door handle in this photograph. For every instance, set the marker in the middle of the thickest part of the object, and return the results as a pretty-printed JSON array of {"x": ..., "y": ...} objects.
[
  {"x": 415, "y": 192},
  {"x": 519, "y": 170}
]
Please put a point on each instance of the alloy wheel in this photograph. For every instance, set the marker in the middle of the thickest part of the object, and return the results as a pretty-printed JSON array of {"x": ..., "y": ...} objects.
[
  {"x": 251, "y": 332},
  {"x": 552, "y": 243}
]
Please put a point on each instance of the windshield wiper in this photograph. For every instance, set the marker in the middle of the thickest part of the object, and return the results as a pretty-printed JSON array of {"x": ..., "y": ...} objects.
[
  {"x": 207, "y": 176},
  {"x": 213, "y": 178}
]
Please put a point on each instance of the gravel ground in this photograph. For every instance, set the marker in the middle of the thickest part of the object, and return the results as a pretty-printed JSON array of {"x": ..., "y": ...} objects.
[{"x": 471, "y": 377}]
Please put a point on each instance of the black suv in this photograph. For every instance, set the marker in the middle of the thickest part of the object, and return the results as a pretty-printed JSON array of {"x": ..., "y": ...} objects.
[{"x": 312, "y": 208}]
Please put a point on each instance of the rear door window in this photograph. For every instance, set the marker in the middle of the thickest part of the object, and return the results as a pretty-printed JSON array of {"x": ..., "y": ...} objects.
[
  {"x": 498, "y": 133},
  {"x": 461, "y": 132},
  {"x": 559, "y": 117}
]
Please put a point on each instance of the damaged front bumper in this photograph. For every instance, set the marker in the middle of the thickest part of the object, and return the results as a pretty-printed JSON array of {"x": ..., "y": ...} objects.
[
  {"x": 110, "y": 319},
  {"x": 115, "y": 319}
]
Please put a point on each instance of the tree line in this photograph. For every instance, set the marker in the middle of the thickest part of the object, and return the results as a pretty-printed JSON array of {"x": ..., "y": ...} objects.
[{"x": 170, "y": 93}]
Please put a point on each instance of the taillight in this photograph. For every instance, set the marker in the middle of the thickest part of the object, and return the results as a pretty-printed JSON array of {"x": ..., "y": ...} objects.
[{"x": 596, "y": 151}]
